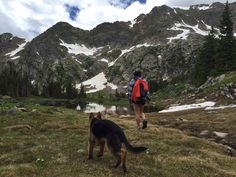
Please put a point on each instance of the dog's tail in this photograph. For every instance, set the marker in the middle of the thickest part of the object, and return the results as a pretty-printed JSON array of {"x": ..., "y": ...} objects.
[{"x": 129, "y": 146}]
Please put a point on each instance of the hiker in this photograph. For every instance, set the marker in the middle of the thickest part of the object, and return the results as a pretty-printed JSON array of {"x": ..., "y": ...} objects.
[{"x": 138, "y": 95}]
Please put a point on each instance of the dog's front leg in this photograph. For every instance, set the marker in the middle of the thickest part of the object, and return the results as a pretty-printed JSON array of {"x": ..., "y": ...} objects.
[
  {"x": 102, "y": 147},
  {"x": 91, "y": 145}
]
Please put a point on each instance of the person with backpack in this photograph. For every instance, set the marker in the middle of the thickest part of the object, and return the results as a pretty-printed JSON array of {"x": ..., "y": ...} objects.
[{"x": 138, "y": 95}]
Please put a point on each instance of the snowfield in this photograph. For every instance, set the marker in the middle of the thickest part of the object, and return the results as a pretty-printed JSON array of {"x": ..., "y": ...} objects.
[
  {"x": 14, "y": 52},
  {"x": 186, "y": 29},
  {"x": 129, "y": 50},
  {"x": 221, "y": 107},
  {"x": 97, "y": 83},
  {"x": 209, "y": 105},
  {"x": 78, "y": 48},
  {"x": 188, "y": 107}
]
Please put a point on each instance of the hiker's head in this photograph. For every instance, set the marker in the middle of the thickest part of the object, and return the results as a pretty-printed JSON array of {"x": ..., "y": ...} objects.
[{"x": 137, "y": 73}]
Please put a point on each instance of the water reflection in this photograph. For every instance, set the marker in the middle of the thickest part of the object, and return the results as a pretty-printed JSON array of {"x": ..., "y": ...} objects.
[
  {"x": 94, "y": 107},
  {"x": 120, "y": 110}
]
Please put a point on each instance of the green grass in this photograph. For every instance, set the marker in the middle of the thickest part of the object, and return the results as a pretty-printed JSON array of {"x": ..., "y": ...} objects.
[
  {"x": 55, "y": 145},
  {"x": 229, "y": 78},
  {"x": 171, "y": 91}
]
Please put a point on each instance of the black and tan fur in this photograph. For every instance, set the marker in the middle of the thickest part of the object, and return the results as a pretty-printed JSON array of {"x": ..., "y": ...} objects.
[{"x": 107, "y": 132}]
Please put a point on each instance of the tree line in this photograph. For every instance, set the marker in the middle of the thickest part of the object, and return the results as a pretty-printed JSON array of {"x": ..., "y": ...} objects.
[{"x": 16, "y": 82}]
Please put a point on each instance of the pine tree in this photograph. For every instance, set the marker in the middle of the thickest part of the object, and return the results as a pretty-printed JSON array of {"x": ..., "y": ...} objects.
[
  {"x": 205, "y": 65},
  {"x": 71, "y": 91},
  {"x": 225, "y": 56},
  {"x": 82, "y": 93}
]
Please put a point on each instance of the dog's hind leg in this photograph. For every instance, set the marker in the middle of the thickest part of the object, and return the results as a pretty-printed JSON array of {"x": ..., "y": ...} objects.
[
  {"x": 102, "y": 147},
  {"x": 123, "y": 159},
  {"x": 118, "y": 156},
  {"x": 114, "y": 145}
]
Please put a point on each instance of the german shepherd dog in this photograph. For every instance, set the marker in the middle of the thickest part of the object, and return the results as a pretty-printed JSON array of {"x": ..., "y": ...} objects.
[{"x": 107, "y": 132}]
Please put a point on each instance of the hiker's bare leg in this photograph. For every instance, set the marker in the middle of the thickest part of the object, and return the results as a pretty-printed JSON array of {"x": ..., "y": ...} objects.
[
  {"x": 142, "y": 115},
  {"x": 137, "y": 114},
  {"x": 143, "y": 118}
]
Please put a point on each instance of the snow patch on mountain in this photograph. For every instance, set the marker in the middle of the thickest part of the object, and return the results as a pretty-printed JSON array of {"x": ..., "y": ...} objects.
[
  {"x": 14, "y": 52},
  {"x": 201, "y": 6},
  {"x": 183, "y": 35},
  {"x": 204, "y": 7},
  {"x": 97, "y": 83},
  {"x": 134, "y": 47},
  {"x": 14, "y": 58},
  {"x": 112, "y": 63},
  {"x": 180, "y": 7},
  {"x": 207, "y": 26},
  {"x": 78, "y": 48},
  {"x": 129, "y": 50},
  {"x": 132, "y": 23},
  {"x": 104, "y": 60},
  {"x": 186, "y": 29}
]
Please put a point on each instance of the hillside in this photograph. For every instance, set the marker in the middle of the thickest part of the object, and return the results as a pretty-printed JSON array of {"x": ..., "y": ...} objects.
[{"x": 52, "y": 141}]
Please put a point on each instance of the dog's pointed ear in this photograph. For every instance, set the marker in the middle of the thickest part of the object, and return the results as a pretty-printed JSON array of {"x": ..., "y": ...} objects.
[
  {"x": 91, "y": 116},
  {"x": 99, "y": 116}
]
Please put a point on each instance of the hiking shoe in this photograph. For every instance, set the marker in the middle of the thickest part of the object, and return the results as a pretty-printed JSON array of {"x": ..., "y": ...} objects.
[{"x": 144, "y": 124}]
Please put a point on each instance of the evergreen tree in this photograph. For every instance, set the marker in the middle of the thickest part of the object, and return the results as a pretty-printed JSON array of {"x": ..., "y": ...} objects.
[
  {"x": 205, "y": 64},
  {"x": 153, "y": 86},
  {"x": 82, "y": 93},
  {"x": 71, "y": 91},
  {"x": 226, "y": 55},
  {"x": 14, "y": 82}
]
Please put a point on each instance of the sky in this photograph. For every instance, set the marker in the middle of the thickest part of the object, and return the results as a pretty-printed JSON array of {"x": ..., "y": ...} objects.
[{"x": 29, "y": 18}]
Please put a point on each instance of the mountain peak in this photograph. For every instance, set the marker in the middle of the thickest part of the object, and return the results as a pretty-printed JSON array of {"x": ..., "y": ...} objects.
[
  {"x": 7, "y": 35},
  {"x": 161, "y": 9},
  {"x": 217, "y": 5},
  {"x": 63, "y": 25},
  {"x": 8, "y": 42}
]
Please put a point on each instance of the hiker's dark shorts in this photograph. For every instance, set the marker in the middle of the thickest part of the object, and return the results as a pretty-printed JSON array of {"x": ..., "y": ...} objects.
[{"x": 139, "y": 102}]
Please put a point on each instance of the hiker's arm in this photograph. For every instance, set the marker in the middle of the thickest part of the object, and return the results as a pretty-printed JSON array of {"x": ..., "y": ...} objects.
[
  {"x": 130, "y": 88},
  {"x": 148, "y": 97}
]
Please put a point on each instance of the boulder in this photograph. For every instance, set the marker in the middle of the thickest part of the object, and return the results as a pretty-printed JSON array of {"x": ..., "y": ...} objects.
[{"x": 12, "y": 112}]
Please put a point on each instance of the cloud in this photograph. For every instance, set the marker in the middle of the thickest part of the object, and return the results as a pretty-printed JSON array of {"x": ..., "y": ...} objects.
[
  {"x": 124, "y": 3},
  {"x": 32, "y": 16},
  {"x": 8, "y": 25},
  {"x": 28, "y": 18},
  {"x": 110, "y": 13}
]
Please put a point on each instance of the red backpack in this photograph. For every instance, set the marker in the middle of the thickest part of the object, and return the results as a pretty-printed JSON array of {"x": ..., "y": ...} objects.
[{"x": 140, "y": 90}]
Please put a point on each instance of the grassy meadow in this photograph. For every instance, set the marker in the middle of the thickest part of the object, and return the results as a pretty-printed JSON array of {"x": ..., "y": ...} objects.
[{"x": 52, "y": 142}]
